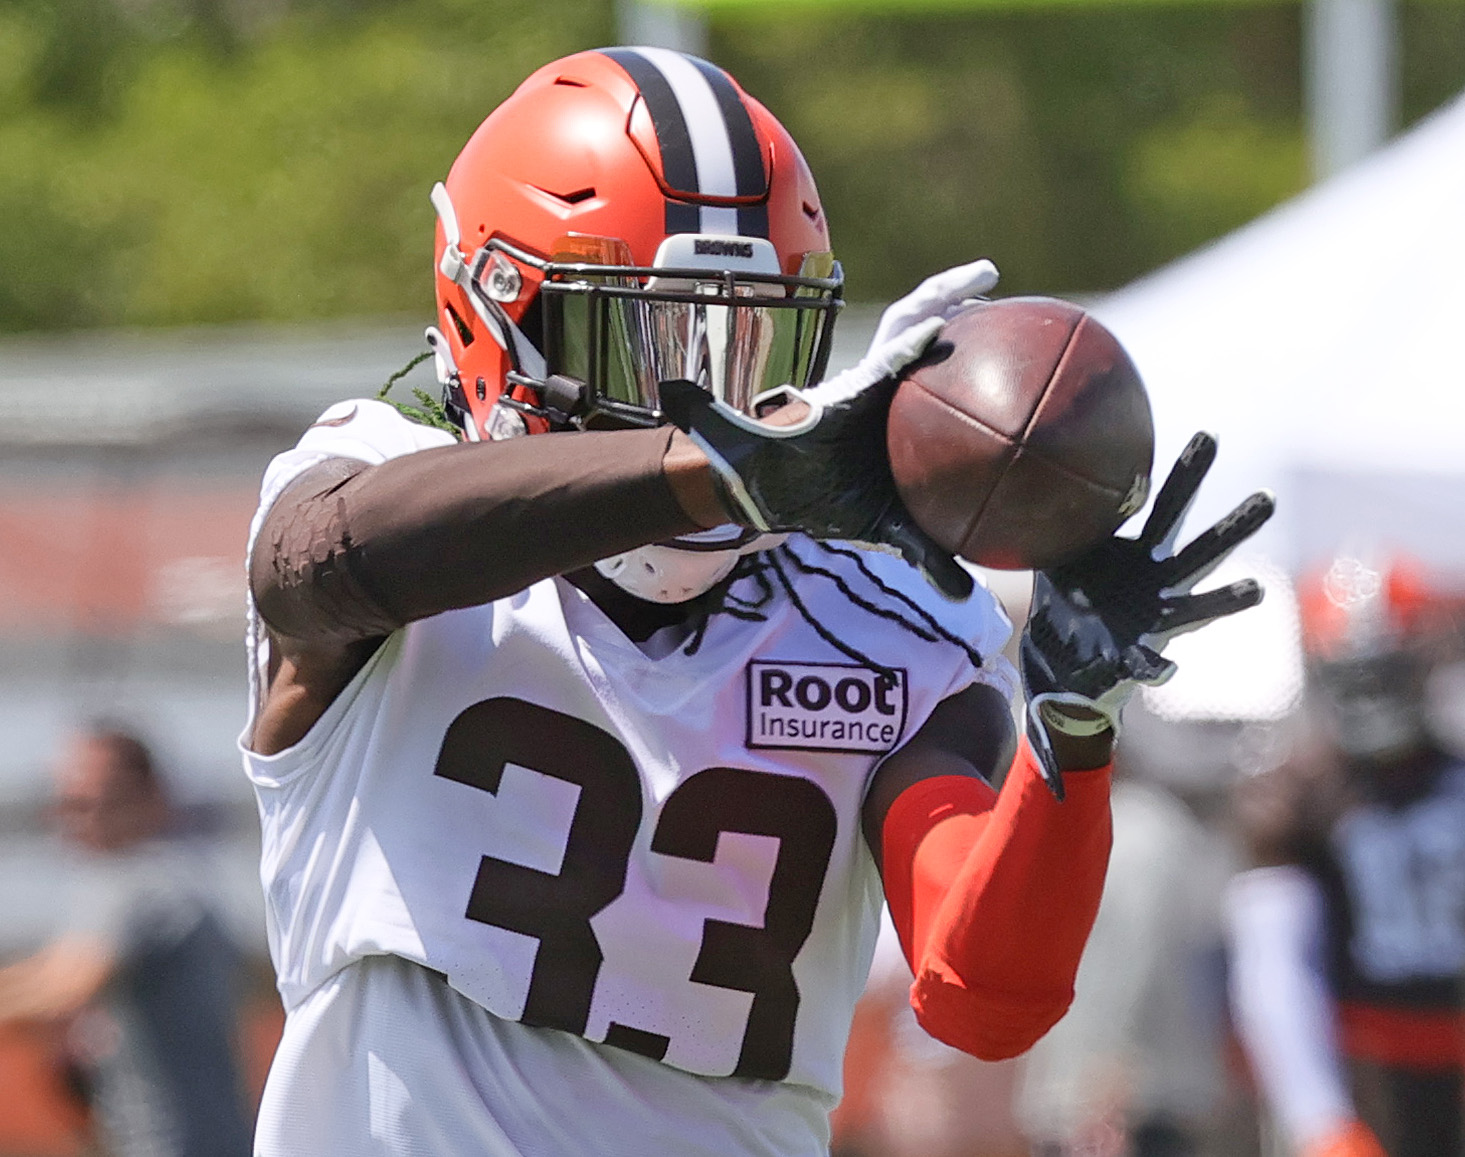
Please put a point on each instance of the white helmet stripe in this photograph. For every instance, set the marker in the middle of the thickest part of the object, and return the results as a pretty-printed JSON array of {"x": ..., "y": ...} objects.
[
  {"x": 711, "y": 148},
  {"x": 719, "y": 220}
]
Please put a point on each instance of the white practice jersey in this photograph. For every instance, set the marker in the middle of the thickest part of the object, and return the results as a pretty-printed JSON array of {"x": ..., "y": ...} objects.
[{"x": 660, "y": 854}]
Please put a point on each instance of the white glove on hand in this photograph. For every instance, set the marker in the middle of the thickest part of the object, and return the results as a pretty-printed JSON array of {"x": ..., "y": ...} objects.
[
  {"x": 942, "y": 295},
  {"x": 907, "y": 328}
]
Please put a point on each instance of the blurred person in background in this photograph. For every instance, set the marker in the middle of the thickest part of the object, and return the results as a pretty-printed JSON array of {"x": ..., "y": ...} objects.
[
  {"x": 1348, "y": 931},
  {"x": 1136, "y": 1066},
  {"x": 137, "y": 984}
]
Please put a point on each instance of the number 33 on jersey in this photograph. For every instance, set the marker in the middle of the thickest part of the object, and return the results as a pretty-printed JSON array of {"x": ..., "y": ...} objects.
[{"x": 664, "y": 855}]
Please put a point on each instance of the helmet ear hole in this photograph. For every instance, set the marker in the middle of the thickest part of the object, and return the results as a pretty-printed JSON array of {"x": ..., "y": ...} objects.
[
  {"x": 532, "y": 323},
  {"x": 465, "y": 335}
]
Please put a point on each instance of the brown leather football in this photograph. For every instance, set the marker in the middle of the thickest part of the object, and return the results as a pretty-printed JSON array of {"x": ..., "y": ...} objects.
[{"x": 1024, "y": 436}]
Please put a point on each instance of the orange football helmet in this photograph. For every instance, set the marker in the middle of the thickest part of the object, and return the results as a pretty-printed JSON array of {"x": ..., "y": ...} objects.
[
  {"x": 627, "y": 216},
  {"x": 1368, "y": 627},
  {"x": 1359, "y": 607}
]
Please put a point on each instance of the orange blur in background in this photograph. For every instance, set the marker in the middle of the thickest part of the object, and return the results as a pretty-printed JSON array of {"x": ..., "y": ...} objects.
[{"x": 39, "y": 1115}]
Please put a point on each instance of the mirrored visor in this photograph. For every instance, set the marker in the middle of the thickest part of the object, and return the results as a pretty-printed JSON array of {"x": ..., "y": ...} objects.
[
  {"x": 621, "y": 330},
  {"x": 736, "y": 348}
]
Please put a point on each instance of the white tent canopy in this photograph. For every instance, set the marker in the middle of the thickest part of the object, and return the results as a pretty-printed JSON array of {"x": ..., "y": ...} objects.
[{"x": 1324, "y": 344}]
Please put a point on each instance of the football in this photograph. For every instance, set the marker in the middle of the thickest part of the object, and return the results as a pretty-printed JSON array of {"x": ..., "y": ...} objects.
[{"x": 1023, "y": 437}]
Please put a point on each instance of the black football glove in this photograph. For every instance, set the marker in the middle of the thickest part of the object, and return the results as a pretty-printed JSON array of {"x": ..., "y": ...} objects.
[
  {"x": 829, "y": 474},
  {"x": 1099, "y": 622}
]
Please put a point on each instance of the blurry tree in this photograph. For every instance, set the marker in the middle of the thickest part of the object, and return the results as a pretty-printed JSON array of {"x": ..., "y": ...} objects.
[
  {"x": 1077, "y": 147},
  {"x": 170, "y": 161},
  {"x": 207, "y": 162}
]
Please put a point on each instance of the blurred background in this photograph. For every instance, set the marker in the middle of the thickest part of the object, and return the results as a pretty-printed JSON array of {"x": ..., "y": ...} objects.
[{"x": 214, "y": 222}]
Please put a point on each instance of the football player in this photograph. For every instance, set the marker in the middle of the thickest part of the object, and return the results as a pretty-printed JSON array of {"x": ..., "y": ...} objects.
[
  {"x": 1348, "y": 931},
  {"x": 588, "y": 737}
]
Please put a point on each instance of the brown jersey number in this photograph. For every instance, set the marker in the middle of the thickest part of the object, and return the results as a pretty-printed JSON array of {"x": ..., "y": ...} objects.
[{"x": 557, "y": 909}]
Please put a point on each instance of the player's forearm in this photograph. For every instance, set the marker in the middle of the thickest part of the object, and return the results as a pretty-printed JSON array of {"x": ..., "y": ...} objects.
[
  {"x": 996, "y": 901},
  {"x": 360, "y": 553}
]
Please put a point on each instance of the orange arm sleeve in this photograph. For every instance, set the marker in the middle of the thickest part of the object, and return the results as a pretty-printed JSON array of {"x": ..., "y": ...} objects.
[
  {"x": 994, "y": 897},
  {"x": 1353, "y": 1139}
]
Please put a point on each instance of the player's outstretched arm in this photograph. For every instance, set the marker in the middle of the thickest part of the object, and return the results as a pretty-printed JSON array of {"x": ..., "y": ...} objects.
[
  {"x": 993, "y": 895},
  {"x": 350, "y": 552}
]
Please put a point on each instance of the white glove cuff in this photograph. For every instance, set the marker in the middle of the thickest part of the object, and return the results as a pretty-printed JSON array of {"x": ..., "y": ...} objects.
[{"x": 1055, "y": 710}]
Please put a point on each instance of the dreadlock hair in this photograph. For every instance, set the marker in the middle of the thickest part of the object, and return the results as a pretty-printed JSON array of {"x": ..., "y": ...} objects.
[
  {"x": 933, "y": 630},
  {"x": 721, "y": 600},
  {"x": 429, "y": 411}
]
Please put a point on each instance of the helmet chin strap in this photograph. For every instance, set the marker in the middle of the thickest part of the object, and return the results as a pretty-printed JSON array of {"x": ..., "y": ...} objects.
[
  {"x": 450, "y": 380},
  {"x": 665, "y": 573}
]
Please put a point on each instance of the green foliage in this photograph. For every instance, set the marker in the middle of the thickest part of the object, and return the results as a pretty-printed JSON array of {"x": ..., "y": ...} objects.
[
  {"x": 1044, "y": 139},
  {"x": 1432, "y": 45},
  {"x": 1173, "y": 172},
  {"x": 282, "y": 177},
  {"x": 172, "y": 161}
]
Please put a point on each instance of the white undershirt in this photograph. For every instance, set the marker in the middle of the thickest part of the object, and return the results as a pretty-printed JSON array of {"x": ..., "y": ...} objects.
[{"x": 444, "y": 1076}]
